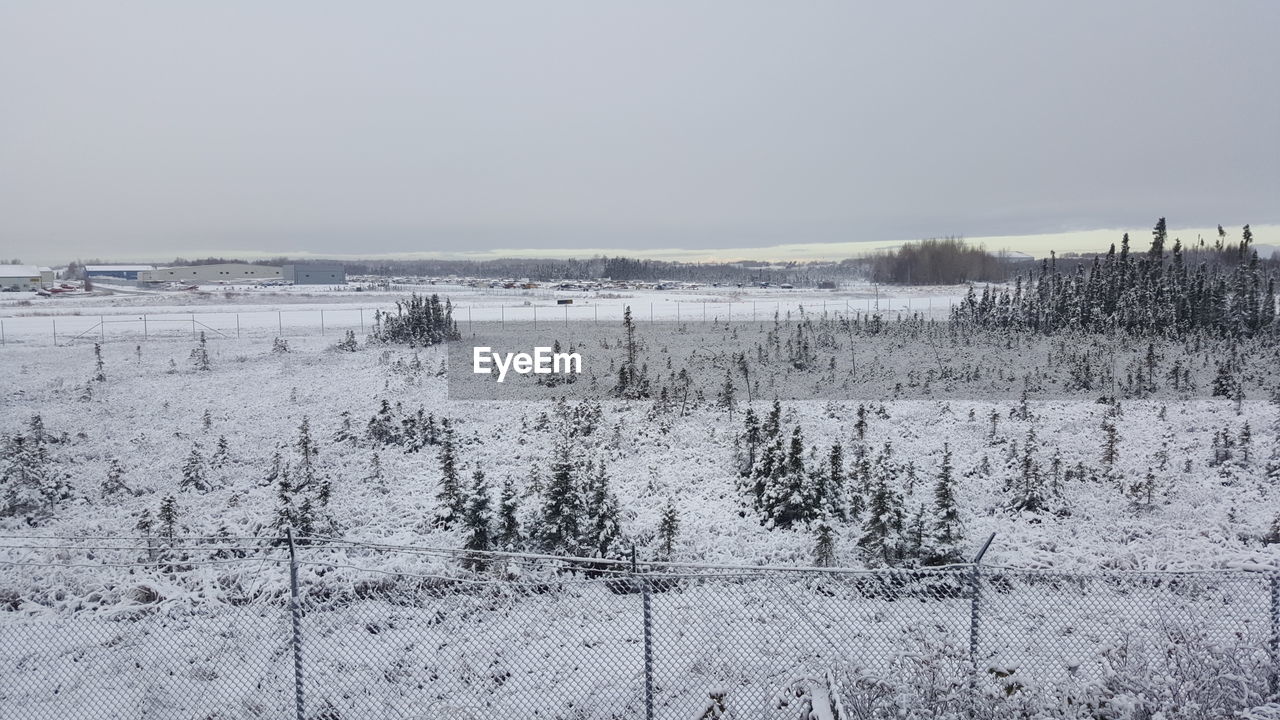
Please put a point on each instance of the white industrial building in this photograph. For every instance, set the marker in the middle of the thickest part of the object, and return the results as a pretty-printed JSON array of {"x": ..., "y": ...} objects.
[
  {"x": 123, "y": 272},
  {"x": 219, "y": 273},
  {"x": 23, "y": 277}
]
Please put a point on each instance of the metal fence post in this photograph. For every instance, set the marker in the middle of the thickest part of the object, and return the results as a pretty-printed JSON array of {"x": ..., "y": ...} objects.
[
  {"x": 975, "y": 597},
  {"x": 647, "y": 609},
  {"x": 295, "y": 608},
  {"x": 1275, "y": 634}
]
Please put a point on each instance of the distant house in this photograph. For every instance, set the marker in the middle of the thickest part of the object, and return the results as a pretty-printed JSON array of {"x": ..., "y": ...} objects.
[
  {"x": 20, "y": 277},
  {"x": 216, "y": 273},
  {"x": 123, "y": 272},
  {"x": 47, "y": 276},
  {"x": 315, "y": 274}
]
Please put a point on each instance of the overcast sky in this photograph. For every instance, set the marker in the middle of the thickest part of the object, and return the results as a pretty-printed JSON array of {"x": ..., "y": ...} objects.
[{"x": 165, "y": 128}]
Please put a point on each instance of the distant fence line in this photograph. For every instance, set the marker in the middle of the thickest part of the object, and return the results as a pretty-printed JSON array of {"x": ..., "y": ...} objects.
[
  {"x": 308, "y": 631},
  {"x": 70, "y": 328}
]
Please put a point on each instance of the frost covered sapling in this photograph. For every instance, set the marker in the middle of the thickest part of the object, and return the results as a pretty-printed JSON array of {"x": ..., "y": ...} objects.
[
  {"x": 114, "y": 484},
  {"x": 450, "y": 500},
  {"x": 509, "y": 536},
  {"x": 668, "y": 530},
  {"x": 603, "y": 525},
  {"x": 947, "y": 531},
  {"x": 560, "y": 530},
  {"x": 200, "y": 355},
  {"x": 194, "y": 472},
  {"x": 477, "y": 522}
]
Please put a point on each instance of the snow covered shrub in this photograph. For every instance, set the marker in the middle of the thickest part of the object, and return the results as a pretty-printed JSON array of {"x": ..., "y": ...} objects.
[
  {"x": 348, "y": 343},
  {"x": 418, "y": 321}
]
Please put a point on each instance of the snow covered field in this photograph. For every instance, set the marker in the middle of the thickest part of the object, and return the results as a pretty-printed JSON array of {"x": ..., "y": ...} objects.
[{"x": 1190, "y": 487}]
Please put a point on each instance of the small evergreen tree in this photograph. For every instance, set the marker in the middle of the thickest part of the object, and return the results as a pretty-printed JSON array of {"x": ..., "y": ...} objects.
[
  {"x": 947, "y": 532},
  {"x": 509, "y": 536},
  {"x": 376, "y": 478},
  {"x": 200, "y": 355},
  {"x": 477, "y": 521},
  {"x": 114, "y": 484},
  {"x": 450, "y": 500},
  {"x": 562, "y": 505},
  {"x": 727, "y": 399},
  {"x": 168, "y": 518},
  {"x": 668, "y": 530},
  {"x": 194, "y": 472},
  {"x": 100, "y": 370},
  {"x": 604, "y": 528},
  {"x": 824, "y": 549},
  {"x": 222, "y": 453}
]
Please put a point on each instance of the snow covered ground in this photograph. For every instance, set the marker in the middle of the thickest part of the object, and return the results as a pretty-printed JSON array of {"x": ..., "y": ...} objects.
[
  {"x": 150, "y": 412},
  {"x": 130, "y": 315}
]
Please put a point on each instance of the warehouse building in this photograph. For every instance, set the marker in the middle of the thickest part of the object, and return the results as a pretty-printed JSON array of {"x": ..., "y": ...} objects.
[
  {"x": 21, "y": 277},
  {"x": 123, "y": 272},
  {"x": 218, "y": 273},
  {"x": 315, "y": 274}
]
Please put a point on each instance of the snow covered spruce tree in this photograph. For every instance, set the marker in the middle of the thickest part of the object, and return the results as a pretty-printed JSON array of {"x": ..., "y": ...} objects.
[
  {"x": 668, "y": 530},
  {"x": 633, "y": 381},
  {"x": 882, "y": 541},
  {"x": 559, "y": 532},
  {"x": 99, "y": 369},
  {"x": 787, "y": 496},
  {"x": 603, "y": 526},
  {"x": 195, "y": 472},
  {"x": 303, "y": 490},
  {"x": 824, "y": 549},
  {"x": 477, "y": 522},
  {"x": 418, "y": 321},
  {"x": 30, "y": 485},
  {"x": 114, "y": 484},
  {"x": 1157, "y": 293},
  {"x": 947, "y": 533},
  {"x": 200, "y": 355},
  {"x": 509, "y": 535},
  {"x": 450, "y": 501}
]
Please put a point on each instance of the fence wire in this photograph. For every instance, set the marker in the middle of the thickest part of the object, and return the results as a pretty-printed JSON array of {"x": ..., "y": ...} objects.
[{"x": 387, "y": 632}]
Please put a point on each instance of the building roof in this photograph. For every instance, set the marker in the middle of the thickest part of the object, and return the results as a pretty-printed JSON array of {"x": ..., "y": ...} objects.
[
  {"x": 118, "y": 268},
  {"x": 19, "y": 271}
]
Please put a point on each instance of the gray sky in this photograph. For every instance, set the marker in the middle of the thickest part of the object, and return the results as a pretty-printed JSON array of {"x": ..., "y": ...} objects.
[{"x": 167, "y": 128}]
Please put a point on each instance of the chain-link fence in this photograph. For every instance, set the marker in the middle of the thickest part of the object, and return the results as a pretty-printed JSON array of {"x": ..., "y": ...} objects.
[
  {"x": 342, "y": 630},
  {"x": 121, "y": 325}
]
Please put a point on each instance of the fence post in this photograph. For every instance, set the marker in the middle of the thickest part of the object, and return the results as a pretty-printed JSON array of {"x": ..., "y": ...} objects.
[
  {"x": 145, "y": 336},
  {"x": 2, "y": 340},
  {"x": 361, "y": 321},
  {"x": 295, "y": 608},
  {"x": 975, "y": 596},
  {"x": 322, "y": 323},
  {"x": 1275, "y": 633},
  {"x": 102, "y": 327},
  {"x": 647, "y": 609},
  {"x": 193, "y": 324},
  {"x": 55, "y": 331},
  {"x": 237, "y": 326}
]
